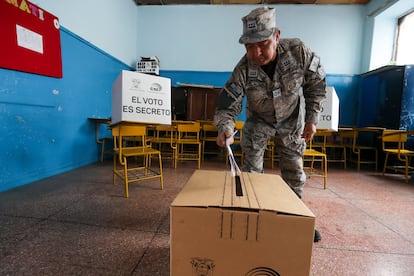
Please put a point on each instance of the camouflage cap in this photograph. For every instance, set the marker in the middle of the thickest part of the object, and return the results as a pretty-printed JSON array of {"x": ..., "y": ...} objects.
[{"x": 258, "y": 25}]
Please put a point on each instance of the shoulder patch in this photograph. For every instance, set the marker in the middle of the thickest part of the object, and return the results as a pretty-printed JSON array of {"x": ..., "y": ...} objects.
[
  {"x": 234, "y": 90},
  {"x": 314, "y": 64},
  {"x": 321, "y": 72}
]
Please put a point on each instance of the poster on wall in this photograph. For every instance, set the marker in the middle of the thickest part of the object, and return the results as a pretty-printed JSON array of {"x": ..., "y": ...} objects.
[{"x": 30, "y": 39}]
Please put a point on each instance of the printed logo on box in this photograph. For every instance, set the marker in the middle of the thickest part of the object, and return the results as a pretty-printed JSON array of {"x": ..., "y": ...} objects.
[
  {"x": 205, "y": 267},
  {"x": 143, "y": 98},
  {"x": 202, "y": 267},
  {"x": 262, "y": 271}
]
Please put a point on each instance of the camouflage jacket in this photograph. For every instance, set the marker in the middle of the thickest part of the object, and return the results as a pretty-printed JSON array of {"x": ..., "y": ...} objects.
[{"x": 283, "y": 103}]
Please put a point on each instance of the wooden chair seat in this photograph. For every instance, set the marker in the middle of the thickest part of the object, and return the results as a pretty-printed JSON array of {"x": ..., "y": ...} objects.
[{"x": 311, "y": 158}]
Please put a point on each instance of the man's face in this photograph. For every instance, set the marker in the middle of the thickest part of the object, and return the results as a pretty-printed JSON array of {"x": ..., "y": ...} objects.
[{"x": 263, "y": 52}]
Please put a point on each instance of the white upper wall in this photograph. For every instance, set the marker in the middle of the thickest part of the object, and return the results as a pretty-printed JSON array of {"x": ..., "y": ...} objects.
[
  {"x": 109, "y": 25},
  {"x": 350, "y": 39},
  {"x": 205, "y": 37},
  {"x": 385, "y": 20}
]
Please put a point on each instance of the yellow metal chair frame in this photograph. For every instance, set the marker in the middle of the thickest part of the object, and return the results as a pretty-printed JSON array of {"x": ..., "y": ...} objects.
[
  {"x": 165, "y": 140},
  {"x": 332, "y": 145},
  {"x": 393, "y": 143},
  {"x": 102, "y": 141},
  {"x": 126, "y": 151},
  {"x": 188, "y": 143},
  {"x": 311, "y": 156},
  {"x": 357, "y": 150},
  {"x": 209, "y": 135}
]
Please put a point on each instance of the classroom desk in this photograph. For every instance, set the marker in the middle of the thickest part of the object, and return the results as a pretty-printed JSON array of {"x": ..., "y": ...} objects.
[
  {"x": 101, "y": 141},
  {"x": 369, "y": 129},
  {"x": 98, "y": 122},
  {"x": 362, "y": 129}
]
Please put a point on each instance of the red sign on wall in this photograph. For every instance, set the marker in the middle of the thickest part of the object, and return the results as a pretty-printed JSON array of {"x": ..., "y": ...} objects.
[{"x": 30, "y": 39}]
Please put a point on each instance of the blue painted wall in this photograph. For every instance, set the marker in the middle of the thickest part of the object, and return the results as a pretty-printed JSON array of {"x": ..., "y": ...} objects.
[
  {"x": 44, "y": 121},
  {"x": 44, "y": 125},
  {"x": 346, "y": 87}
]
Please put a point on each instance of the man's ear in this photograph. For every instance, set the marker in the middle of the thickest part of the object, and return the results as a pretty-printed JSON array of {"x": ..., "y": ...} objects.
[{"x": 277, "y": 35}]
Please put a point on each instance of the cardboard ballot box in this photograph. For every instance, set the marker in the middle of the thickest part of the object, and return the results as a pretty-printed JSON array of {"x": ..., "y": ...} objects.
[
  {"x": 143, "y": 98},
  {"x": 267, "y": 231},
  {"x": 329, "y": 116}
]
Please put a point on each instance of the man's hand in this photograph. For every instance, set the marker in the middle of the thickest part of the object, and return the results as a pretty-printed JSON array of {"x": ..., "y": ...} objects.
[
  {"x": 308, "y": 131},
  {"x": 221, "y": 138}
]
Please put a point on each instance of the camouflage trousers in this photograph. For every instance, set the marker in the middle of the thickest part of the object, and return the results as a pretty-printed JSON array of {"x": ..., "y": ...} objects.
[{"x": 254, "y": 142}]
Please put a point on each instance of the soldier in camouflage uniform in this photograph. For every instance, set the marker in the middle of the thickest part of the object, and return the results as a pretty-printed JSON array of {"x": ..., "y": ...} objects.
[{"x": 284, "y": 84}]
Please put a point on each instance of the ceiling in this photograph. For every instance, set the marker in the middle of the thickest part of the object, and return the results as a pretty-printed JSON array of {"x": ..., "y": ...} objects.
[{"x": 249, "y": 2}]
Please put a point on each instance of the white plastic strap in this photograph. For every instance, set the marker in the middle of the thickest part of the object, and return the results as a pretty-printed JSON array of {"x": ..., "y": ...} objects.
[{"x": 234, "y": 168}]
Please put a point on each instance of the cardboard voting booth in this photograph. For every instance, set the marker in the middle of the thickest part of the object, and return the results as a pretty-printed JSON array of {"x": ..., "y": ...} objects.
[
  {"x": 267, "y": 231},
  {"x": 329, "y": 116},
  {"x": 143, "y": 98}
]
